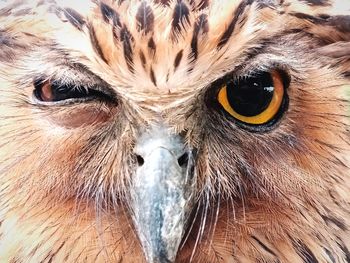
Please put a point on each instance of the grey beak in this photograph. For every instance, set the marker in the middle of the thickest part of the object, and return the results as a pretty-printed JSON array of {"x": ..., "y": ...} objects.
[{"x": 162, "y": 194}]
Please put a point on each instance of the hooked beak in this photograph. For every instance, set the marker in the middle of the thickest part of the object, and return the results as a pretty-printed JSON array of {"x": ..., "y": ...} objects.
[{"x": 162, "y": 194}]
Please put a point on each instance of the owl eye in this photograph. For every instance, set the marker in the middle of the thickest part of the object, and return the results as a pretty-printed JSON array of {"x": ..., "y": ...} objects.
[
  {"x": 254, "y": 100},
  {"x": 54, "y": 91}
]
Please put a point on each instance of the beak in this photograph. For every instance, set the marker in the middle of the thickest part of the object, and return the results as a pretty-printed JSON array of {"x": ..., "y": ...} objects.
[{"x": 162, "y": 194}]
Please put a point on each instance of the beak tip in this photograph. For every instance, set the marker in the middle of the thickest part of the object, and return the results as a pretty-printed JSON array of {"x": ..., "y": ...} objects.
[
  {"x": 160, "y": 257},
  {"x": 158, "y": 248}
]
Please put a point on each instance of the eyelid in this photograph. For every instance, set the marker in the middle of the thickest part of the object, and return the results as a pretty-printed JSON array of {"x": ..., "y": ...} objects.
[
  {"x": 96, "y": 92},
  {"x": 79, "y": 78}
]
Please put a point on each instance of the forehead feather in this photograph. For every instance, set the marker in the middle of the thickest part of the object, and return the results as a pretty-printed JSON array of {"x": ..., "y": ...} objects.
[
  {"x": 163, "y": 45},
  {"x": 158, "y": 42}
]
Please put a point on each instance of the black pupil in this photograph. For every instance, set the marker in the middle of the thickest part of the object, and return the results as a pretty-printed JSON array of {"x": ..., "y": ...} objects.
[{"x": 251, "y": 96}]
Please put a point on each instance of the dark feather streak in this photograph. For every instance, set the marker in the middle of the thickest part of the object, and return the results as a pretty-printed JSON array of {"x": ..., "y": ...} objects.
[
  {"x": 153, "y": 77},
  {"x": 231, "y": 27},
  {"x": 201, "y": 26},
  {"x": 317, "y": 2},
  {"x": 5, "y": 39},
  {"x": 178, "y": 59},
  {"x": 304, "y": 252},
  {"x": 181, "y": 17},
  {"x": 74, "y": 18},
  {"x": 199, "y": 6},
  {"x": 151, "y": 46},
  {"x": 126, "y": 39},
  {"x": 143, "y": 59},
  {"x": 345, "y": 250},
  {"x": 109, "y": 14},
  {"x": 145, "y": 18},
  {"x": 264, "y": 246},
  {"x": 51, "y": 255},
  {"x": 203, "y": 4},
  {"x": 338, "y": 22},
  {"x": 95, "y": 44},
  {"x": 336, "y": 221},
  {"x": 163, "y": 2}
]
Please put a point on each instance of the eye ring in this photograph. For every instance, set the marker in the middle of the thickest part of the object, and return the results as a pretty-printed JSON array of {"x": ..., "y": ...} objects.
[{"x": 270, "y": 108}]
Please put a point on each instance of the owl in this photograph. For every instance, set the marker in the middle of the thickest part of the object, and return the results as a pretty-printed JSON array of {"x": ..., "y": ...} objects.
[{"x": 175, "y": 131}]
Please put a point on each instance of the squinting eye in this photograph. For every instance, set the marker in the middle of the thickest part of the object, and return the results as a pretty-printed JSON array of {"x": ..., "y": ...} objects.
[
  {"x": 54, "y": 91},
  {"x": 254, "y": 100}
]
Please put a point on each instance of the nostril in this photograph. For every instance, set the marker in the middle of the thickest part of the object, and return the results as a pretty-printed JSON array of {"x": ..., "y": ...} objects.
[
  {"x": 140, "y": 160},
  {"x": 183, "y": 160}
]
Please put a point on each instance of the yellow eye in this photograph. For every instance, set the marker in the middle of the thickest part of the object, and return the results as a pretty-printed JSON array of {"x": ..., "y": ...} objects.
[{"x": 255, "y": 100}]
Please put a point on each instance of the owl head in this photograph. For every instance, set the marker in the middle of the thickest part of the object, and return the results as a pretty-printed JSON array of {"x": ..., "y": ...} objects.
[{"x": 200, "y": 127}]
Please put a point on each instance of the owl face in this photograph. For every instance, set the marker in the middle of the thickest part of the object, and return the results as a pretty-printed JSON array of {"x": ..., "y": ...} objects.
[{"x": 197, "y": 126}]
